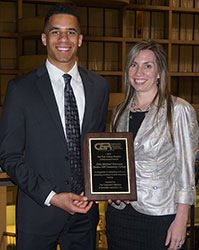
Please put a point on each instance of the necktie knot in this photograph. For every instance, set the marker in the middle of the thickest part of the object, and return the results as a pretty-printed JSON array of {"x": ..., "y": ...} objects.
[{"x": 67, "y": 78}]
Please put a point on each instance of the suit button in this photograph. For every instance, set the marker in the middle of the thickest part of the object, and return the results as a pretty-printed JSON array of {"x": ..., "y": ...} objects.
[
  {"x": 66, "y": 182},
  {"x": 66, "y": 158}
]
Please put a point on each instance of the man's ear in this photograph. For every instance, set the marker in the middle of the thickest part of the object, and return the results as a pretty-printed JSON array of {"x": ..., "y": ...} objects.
[
  {"x": 80, "y": 40},
  {"x": 43, "y": 38}
]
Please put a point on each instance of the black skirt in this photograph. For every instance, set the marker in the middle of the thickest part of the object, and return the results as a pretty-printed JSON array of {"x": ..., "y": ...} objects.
[{"x": 128, "y": 229}]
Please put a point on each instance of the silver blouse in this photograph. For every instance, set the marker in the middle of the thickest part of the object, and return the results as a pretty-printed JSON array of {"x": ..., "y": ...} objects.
[{"x": 165, "y": 171}]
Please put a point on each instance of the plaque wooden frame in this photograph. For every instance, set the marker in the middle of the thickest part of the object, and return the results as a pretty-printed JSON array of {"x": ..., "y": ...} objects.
[{"x": 114, "y": 159}]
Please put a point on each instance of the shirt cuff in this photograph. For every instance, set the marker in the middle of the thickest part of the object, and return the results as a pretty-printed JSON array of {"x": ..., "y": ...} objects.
[{"x": 49, "y": 197}]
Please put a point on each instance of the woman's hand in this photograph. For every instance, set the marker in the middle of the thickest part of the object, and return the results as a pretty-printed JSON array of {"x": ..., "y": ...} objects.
[{"x": 177, "y": 231}]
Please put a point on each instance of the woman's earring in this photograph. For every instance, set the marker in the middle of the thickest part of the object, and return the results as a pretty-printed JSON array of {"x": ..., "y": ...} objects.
[{"x": 158, "y": 81}]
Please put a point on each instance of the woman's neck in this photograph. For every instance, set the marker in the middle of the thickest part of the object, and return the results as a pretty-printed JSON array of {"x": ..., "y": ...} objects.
[
  {"x": 143, "y": 101},
  {"x": 144, "y": 98}
]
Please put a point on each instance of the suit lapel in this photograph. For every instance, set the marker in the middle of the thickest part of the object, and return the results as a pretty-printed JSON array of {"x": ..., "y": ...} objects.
[
  {"x": 46, "y": 91},
  {"x": 150, "y": 121},
  {"x": 147, "y": 123},
  {"x": 45, "y": 88},
  {"x": 89, "y": 100}
]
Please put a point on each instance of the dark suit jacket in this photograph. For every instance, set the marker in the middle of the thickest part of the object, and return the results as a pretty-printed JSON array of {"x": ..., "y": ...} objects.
[{"x": 33, "y": 148}]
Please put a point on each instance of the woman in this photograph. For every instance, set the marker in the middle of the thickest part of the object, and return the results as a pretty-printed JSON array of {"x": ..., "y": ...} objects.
[{"x": 165, "y": 132}]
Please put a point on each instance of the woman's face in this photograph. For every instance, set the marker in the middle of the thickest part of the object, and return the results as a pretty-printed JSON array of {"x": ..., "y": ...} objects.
[{"x": 143, "y": 72}]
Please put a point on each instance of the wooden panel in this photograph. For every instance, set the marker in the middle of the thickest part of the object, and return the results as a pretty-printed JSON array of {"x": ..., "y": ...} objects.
[
  {"x": 95, "y": 28},
  {"x": 7, "y": 17},
  {"x": 42, "y": 9},
  {"x": 196, "y": 59},
  {"x": 158, "y": 2},
  {"x": 146, "y": 29},
  {"x": 11, "y": 196},
  {"x": 196, "y": 3},
  {"x": 129, "y": 47},
  {"x": 130, "y": 23},
  {"x": 27, "y": 63},
  {"x": 175, "y": 3},
  {"x": 95, "y": 56},
  {"x": 49, "y": 1},
  {"x": 175, "y": 58},
  {"x": 3, "y": 202},
  {"x": 184, "y": 88},
  {"x": 28, "y": 10},
  {"x": 195, "y": 91},
  {"x": 104, "y": 3},
  {"x": 186, "y": 3},
  {"x": 115, "y": 83},
  {"x": 175, "y": 26},
  {"x": 186, "y": 26},
  {"x": 159, "y": 23},
  {"x": 115, "y": 99},
  {"x": 112, "y": 22},
  {"x": 84, "y": 19},
  {"x": 83, "y": 55},
  {"x": 196, "y": 27},
  {"x": 31, "y": 24},
  {"x": 185, "y": 58},
  {"x": 112, "y": 56},
  {"x": 196, "y": 107},
  {"x": 8, "y": 53}
]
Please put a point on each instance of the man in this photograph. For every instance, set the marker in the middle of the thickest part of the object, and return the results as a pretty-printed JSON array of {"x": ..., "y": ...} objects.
[{"x": 34, "y": 141}]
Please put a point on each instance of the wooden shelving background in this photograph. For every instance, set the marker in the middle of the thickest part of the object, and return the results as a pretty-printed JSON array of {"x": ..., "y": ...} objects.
[
  {"x": 110, "y": 28},
  {"x": 107, "y": 40}
]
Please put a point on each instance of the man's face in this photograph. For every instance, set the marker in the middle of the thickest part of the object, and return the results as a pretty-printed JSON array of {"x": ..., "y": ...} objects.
[{"x": 62, "y": 38}]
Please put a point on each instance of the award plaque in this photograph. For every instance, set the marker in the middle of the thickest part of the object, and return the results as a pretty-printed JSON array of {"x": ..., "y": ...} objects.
[{"x": 108, "y": 165}]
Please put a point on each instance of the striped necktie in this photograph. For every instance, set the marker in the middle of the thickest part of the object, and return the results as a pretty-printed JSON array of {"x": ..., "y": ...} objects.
[{"x": 73, "y": 136}]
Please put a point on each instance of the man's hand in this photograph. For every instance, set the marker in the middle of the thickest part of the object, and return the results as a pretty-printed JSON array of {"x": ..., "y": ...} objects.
[{"x": 71, "y": 203}]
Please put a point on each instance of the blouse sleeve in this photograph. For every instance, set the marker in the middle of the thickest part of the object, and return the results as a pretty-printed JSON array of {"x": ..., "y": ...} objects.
[{"x": 185, "y": 131}]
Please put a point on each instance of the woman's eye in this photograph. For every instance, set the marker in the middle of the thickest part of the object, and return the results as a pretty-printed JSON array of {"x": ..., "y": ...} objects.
[
  {"x": 133, "y": 65},
  {"x": 148, "y": 66}
]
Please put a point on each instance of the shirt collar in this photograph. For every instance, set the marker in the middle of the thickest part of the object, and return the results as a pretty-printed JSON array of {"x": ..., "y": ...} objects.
[{"x": 56, "y": 73}]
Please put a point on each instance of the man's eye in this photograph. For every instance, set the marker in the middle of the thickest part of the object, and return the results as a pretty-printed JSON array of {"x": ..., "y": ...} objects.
[
  {"x": 71, "y": 33},
  {"x": 55, "y": 32}
]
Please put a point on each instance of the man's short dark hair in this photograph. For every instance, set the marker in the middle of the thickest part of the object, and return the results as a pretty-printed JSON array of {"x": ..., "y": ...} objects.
[{"x": 61, "y": 8}]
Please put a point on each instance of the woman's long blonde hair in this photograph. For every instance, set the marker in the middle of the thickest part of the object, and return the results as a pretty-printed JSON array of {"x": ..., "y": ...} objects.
[{"x": 163, "y": 92}]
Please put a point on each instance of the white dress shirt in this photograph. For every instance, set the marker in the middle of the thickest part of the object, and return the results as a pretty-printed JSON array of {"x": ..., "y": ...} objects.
[{"x": 58, "y": 85}]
